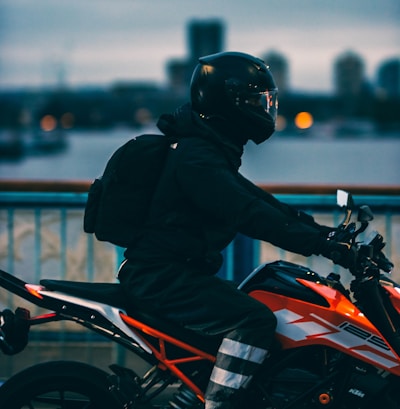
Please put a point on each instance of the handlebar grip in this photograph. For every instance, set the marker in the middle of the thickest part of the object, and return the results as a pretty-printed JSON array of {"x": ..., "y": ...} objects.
[{"x": 383, "y": 262}]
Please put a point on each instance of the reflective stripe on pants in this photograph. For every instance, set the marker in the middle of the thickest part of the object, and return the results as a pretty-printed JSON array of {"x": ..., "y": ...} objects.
[{"x": 234, "y": 368}]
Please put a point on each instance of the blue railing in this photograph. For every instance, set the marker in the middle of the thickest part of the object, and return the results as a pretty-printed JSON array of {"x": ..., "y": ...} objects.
[
  {"x": 41, "y": 236},
  {"x": 37, "y": 227}
]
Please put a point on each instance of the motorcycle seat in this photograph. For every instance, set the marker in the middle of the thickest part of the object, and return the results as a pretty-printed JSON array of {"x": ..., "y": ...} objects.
[
  {"x": 112, "y": 294},
  {"x": 106, "y": 293}
]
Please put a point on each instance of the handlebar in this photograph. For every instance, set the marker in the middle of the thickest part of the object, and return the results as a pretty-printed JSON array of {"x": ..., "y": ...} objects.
[{"x": 369, "y": 255}]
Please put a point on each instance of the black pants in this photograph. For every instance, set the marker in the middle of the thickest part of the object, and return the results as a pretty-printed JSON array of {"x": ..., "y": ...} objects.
[{"x": 211, "y": 306}]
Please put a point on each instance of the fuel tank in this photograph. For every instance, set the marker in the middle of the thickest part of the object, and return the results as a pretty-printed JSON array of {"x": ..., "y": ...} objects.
[
  {"x": 313, "y": 310},
  {"x": 281, "y": 277}
]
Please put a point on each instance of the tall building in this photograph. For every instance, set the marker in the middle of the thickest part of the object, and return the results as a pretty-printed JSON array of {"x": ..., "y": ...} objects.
[
  {"x": 279, "y": 67},
  {"x": 349, "y": 74},
  {"x": 389, "y": 78},
  {"x": 353, "y": 95},
  {"x": 205, "y": 37},
  {"x": 388, "y": 95}
]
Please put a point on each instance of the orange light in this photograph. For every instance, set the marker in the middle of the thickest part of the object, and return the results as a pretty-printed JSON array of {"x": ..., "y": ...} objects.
[
  {"x": 48, "y": 123},
  {"x": 304, "y": 120}
]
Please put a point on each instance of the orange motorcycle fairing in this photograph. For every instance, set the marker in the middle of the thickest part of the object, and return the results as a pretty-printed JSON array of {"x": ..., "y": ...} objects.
[{"x": 340, "y": 325}]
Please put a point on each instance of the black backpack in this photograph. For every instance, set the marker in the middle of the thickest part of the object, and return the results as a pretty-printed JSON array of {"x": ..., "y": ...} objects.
[{"x": 119, "y": 201}]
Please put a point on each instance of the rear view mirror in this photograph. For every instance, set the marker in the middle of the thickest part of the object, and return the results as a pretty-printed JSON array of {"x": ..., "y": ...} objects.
[
  {"x": 344, "y": 199},
  {"x": 341, "y": 198}
]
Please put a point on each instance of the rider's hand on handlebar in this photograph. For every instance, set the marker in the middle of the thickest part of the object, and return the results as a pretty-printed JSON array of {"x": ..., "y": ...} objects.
[
  {"x": 342, "y": 254},
  {"x": 337, "y": 247}
]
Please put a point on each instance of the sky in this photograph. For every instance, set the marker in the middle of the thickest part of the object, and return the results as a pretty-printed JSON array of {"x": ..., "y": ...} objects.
[{"x": 98, "y": 42}]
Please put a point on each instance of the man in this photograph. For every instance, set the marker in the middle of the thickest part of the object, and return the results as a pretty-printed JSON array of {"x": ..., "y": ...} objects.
[{"x": 201, "y": 203}]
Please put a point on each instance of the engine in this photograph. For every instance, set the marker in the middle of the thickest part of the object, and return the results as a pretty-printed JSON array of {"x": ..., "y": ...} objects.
[{"x": 358, "y": 388}]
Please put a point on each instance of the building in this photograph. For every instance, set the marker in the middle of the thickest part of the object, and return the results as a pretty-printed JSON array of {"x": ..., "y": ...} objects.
[
  {"x": 204, "y": 37},
  {"x": 387, "y": 107},
  {"x": 349, "y": 74},
  {"x": 389, "y": 78},
  {"x": 352, "y": 91},
  {"x": 279, "y": 67},
  {"x": 178, "y": 74}
]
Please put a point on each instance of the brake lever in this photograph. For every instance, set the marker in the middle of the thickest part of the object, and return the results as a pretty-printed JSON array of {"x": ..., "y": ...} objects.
[
  {"x": 345, "y": 234},
  {"x": 361, "y": 229}
]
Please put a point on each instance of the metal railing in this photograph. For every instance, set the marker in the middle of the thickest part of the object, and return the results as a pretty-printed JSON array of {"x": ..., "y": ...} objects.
[{"x": 41, "y": 236}]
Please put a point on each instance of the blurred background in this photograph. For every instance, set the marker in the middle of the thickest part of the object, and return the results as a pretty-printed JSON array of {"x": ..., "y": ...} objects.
[{"x": 79, "y": 78}]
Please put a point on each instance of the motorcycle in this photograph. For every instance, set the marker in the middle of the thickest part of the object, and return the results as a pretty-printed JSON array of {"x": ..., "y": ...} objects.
[{"x": 335, "y": 347}]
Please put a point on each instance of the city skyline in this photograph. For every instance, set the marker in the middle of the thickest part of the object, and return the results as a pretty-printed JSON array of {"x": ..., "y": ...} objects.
[{"x": 98, "y": 43}]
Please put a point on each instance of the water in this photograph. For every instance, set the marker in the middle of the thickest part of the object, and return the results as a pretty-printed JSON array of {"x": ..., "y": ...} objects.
[
  {"x": 363, "y": 161},
  {"x": 352, "y": 161}
]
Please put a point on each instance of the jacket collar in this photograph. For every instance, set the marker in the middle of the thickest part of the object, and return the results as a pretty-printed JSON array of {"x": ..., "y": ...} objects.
[{"x": 185, "y": 122}]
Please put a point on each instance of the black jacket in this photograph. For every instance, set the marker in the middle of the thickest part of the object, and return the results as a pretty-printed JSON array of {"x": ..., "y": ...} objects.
[{"x": 202, "y": 201}]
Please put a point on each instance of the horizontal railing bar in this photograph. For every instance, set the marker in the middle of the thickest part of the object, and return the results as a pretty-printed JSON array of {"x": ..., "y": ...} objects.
[
  {"x": 387, "y": 190},
  {"x": 44, "y": 186},
  {"x": 78, "y": 200},
  {"x": 42, "y": 199},
  {"x": 319, "y": 201},
  {"x": 83, "y": 186}
]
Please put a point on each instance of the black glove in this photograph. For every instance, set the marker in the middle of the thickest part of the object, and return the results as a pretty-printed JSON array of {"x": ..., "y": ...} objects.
[
  {"x": 336, "y": 247},
  {"x": 340, "y": 253}
]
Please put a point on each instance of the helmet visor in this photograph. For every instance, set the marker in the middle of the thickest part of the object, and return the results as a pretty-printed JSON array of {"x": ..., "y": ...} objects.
[{"x": 267, "y": 99}]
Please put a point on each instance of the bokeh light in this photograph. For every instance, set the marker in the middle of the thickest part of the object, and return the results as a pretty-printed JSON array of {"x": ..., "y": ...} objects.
[
  {"x": 304, "y": 120},
  {"x": 48, "y": 123}
]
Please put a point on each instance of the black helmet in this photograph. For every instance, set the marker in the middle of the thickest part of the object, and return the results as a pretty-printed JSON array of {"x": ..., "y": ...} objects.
[{"x": 239, "y": 88}]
